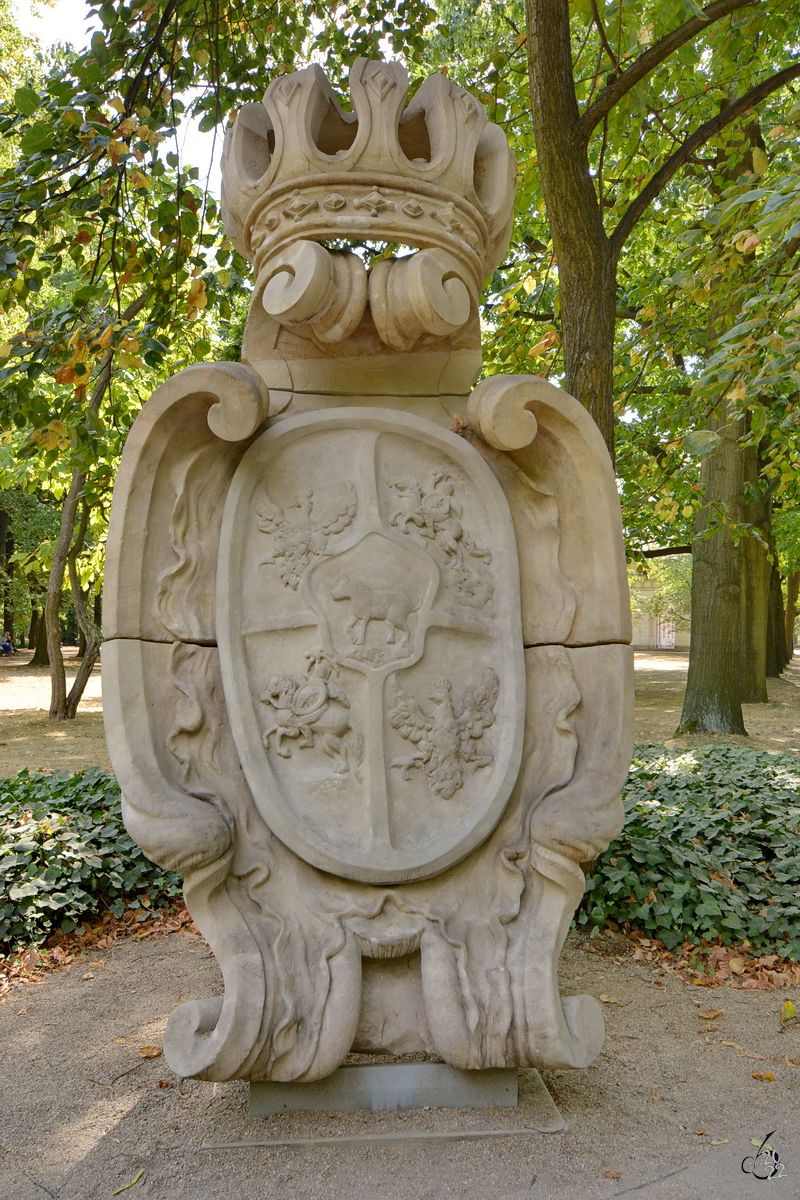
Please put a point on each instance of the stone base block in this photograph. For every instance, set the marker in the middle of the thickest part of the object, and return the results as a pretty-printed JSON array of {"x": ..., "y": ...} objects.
[{"x": 390, "y": 1086}]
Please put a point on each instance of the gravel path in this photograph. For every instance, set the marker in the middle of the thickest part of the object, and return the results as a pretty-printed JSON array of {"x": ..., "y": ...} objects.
[{"x": 82, "y": 1113}]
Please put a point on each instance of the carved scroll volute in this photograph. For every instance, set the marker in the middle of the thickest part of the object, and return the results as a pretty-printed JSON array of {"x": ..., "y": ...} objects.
[
  {"x": 180, "y": 425},
  {"x": 241, "y": 407},
  {"x": 497, "y": 410},
  {"x": 159, "y": 588},
  {"x": 550, "y": 438},
  {"x": 425, "y": 293},
  {"x": 309, "y": 285}
]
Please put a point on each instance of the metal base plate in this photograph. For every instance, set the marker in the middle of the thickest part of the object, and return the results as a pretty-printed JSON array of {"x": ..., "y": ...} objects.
[{"x": 389, "y": 1086}]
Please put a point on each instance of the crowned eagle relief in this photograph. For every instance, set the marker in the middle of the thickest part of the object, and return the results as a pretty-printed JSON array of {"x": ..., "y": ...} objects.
[
  {"x": 447, "y": 743},
  {"x": 299, "y": 541}
]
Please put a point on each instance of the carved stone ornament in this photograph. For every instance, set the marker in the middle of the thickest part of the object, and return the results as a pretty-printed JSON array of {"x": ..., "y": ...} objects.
[
  {"x": 320, "y": 574},
  {"x": 367, "y": 674}
]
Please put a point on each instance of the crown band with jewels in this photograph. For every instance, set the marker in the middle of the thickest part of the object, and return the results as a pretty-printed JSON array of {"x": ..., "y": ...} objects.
[{"x": 436, "y": 174}]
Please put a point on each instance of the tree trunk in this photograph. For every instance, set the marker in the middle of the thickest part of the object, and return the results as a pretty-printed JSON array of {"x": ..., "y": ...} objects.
[
  {"x": 81, "y": 644},
  {"x": 792, "y": 592},
  {"x": 88, "y": 632},
  {"x": 776, "y": 625},
  {"x": 59, "y": 705},
  {"x": 586, "y": 261},
  {"x": 756, "y": 574},
  {"x": 32, "y": 628},
  {"x": 55, "y": 589},
  {"x": 712, "y": 703},
  {"x": 8, "y": 571},
  {"x": 41, "y": 658}
]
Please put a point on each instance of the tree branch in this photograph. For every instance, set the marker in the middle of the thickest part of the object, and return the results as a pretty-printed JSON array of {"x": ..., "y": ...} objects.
[
  {"x": 622, "y": 314},
  {"x": 104, "y": 374},
  {"x": 675, "y": 391},
  {"x": 685, "y": 151},
  {"x": 651, "y": 58},
  {"x": 133, "y": 88},
  {"x": 663, "y": 551},
  {"x": 602, "y": 33}
]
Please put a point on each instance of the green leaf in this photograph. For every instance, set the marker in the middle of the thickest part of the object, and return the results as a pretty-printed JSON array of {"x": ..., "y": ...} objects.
[
  {"x": 37, "y": 138},
  {"x": 701, "y": 441},
  {"x": 99, "y": 48},
  {"x": 26, "y": 101}
]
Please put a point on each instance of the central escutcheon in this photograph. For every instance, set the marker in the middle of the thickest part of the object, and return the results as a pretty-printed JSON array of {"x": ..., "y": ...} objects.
[{"x": 370, "y": 641}]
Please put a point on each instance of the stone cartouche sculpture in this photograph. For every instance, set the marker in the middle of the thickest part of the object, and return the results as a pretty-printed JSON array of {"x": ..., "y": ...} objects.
[{"x": 366, "y": 672}]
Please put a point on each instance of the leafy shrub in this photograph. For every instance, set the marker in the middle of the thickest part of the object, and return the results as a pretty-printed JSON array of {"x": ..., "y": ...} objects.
[
  {"x": 710, "y": 850},
  {"x": 64, "y": 854}
]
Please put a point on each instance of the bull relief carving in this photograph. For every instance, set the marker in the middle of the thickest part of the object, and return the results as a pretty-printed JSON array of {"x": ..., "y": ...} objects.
[{"x": 366, "y": 679}]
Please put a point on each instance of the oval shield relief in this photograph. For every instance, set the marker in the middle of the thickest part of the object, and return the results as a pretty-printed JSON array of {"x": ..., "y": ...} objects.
[{"x": 370, "y": 641}]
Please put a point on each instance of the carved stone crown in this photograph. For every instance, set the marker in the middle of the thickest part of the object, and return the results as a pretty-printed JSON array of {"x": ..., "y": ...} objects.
[{"x": 436, "y": 174}]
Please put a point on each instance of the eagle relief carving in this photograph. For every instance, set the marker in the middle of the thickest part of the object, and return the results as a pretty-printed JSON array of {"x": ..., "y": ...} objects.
[
  {"x": 447, "y": 743},
  {"x": 299, "y": 541}
]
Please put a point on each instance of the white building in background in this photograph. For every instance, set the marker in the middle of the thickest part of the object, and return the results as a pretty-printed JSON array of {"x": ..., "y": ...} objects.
[{"x": 654, "y": 633}]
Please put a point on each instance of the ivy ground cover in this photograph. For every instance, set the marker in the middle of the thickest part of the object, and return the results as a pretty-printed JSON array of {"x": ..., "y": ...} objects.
[
  {"x": 65, "y": 856},
  {"x": 710, "y": 850}
]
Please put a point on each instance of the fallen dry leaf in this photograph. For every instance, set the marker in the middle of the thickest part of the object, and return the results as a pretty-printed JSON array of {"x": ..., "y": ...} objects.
[
  {"x": 612, "y": 1174},
  {"x": 150, "y": 1051},
  {"x": 712, "y": 1014},
  {"x": 656, "y": 1097},
  {"x": 721, "y": 1142},
  {"x": 700, "y": 1132},
  {"x": 88, "y": 975},
  {"x": 733, "y": 1045},
  {"x": 119, "y": 1041},
  {"x": 164, "y": 1083},
  {"x": 752, "y": 1054},
  {"x": 125, "y": 1186},
  {"x": 792, "y": 1062},
  {"x": 736, "y": 965},
  {"x": 788, "y": 1011},
  {"x": 609, "y": 1000},
  {"x": 21, "y": 1012},
  {"x": 765, "y": 1075}
]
